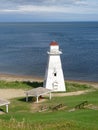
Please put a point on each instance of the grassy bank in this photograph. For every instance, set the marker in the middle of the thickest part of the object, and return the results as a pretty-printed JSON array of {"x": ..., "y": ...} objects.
[
  {"x": 19, "y": 84},
  {"x": 26, "y": 116},
  {"x": 29, "y": 85}
]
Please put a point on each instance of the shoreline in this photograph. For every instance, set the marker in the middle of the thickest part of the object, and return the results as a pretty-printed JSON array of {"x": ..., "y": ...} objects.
[{"x": 12, "y": 77}]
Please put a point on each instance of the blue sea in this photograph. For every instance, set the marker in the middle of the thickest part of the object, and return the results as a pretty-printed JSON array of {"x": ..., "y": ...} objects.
[{"x": 24, "y": 46}]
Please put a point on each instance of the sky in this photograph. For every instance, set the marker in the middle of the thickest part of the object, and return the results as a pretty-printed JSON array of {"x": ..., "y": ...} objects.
[{"x": 48, "y": 10}]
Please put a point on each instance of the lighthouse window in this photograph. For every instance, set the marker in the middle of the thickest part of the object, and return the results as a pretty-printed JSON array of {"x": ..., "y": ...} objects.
[{"x": 55, "y": 74}]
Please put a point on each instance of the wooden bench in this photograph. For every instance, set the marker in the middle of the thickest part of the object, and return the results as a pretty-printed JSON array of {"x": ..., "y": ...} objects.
[
  {"x": 81, "y": 105},
  {"x": 57, "y": 107}
]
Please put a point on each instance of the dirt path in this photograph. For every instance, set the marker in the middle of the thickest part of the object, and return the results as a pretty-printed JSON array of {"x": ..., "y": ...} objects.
[
  {"x": 71, "y": 93},
  {"x": 13, "y": 93}
]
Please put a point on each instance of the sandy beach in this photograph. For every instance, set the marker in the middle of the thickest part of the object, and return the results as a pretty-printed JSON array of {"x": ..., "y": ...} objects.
[{"x": 10, "y": 77}]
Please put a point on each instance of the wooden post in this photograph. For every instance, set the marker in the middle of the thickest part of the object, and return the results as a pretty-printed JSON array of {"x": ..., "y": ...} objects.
[
  {"x": 6, "y": 108},
  {"x": 37, "y": 99},
  {"x": 50, "y": 96}
]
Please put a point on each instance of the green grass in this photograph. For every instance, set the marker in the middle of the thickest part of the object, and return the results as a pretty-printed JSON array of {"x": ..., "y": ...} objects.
[
  {"x": 23, "y": 116},
  {"x": 70, "y": 87},
  {"x": 76, "y": 86},
  {"x": 19, "y": 85}
]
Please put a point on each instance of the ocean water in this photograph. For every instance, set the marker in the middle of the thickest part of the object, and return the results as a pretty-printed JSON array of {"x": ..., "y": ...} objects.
[{"x": 23, "y": 48}]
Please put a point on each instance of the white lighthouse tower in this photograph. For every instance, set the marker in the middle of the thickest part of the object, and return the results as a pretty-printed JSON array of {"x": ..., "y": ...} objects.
[{"x": 54, "y": 78}]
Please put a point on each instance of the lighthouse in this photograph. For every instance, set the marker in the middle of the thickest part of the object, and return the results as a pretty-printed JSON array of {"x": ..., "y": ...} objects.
[{"x": 54, "y": 78}]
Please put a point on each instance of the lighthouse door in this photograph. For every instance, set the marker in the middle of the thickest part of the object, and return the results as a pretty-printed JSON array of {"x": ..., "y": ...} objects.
[{"x": 55, "y": 86}]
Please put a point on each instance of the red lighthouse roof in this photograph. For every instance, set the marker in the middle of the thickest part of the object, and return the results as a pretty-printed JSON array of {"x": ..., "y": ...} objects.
[{"x": 53, "y": 43}]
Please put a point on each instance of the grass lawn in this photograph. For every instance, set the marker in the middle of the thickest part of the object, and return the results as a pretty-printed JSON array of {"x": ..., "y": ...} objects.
[
  {"x": 70, "y": 87},
  {"x": 23, "y": 116}
]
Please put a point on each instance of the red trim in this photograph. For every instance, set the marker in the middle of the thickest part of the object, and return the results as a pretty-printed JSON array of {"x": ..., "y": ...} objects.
[{"x": 53, "y": 43}]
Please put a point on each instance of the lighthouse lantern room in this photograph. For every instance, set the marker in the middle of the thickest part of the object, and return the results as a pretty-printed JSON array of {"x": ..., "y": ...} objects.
[{"x": 54, "y": 78}]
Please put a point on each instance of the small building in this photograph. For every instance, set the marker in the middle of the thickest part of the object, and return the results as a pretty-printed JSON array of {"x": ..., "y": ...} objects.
[{"x": 54, "y": 78}]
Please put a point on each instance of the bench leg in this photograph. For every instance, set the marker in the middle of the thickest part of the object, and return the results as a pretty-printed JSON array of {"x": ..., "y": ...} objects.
[
  {"x": 37, "y": 99},
  {"x": 7, "y": 108},
  {"x": 50, "y": 96},
  {"x": 26, "y": 97}
]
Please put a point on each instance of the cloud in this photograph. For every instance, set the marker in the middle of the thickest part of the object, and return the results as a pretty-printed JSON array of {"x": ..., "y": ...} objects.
[
  {"x": 23, "y": 6},
  {"x": 49, "y": 8},
  {"x": 40, "y": 1},
  {"x": 44, "y": 6},
  {"x": 16, "y": 3}
]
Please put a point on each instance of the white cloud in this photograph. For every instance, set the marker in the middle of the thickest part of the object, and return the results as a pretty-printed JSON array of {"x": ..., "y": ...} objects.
[
  {"x": 30, "y": 8},
  {"x": 8, "y": 11},
  {"x": 50, "y": 9},
  {"x": 54, "y": 8}
]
